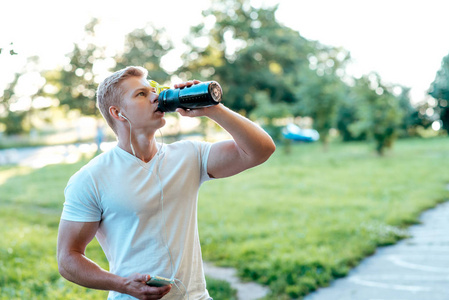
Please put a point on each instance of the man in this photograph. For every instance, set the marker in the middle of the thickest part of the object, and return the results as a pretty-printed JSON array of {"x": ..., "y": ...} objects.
[{"x": 140, "y": 198}]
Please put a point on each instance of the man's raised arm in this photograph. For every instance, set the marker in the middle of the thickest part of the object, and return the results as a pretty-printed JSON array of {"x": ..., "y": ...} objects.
[{"x": 250, "y": 145}]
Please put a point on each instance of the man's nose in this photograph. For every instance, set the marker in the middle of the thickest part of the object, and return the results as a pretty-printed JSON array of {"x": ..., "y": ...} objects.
[{"x": 154, "y": 98}]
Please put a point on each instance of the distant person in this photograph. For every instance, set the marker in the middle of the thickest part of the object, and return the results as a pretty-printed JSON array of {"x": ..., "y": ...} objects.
[
  {"x": 140, "y": 198},
  {"x": 100, "y": 134}
]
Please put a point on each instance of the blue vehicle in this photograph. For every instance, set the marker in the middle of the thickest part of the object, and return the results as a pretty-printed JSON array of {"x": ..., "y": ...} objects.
[{"x": 296, "y": 133}]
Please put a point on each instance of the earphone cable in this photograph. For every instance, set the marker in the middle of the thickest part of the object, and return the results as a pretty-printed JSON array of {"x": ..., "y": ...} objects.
[{"x": 165, "y": 236}]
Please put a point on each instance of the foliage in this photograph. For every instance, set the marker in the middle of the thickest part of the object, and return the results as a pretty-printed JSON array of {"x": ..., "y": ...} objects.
[
  {"x": 378, "y": 113},
  {"x": 248, "y": 51},
  {"x": 14, "y": 122},
  {"x": 17, "y": 105},
  {"x": 424, "y": 119},
  {"x": 267, "y": 70},
  {"x": 145, "y": 47},
  {"x": 220, "y": 289},
  {"x": 11, "y": 120},
  {"x": 75, "y": 82},
  {"x": 320, "y": 99},
  {"x": 439, "y": 89},
  {"x": 411, "y": 117},
  {"x": 349, "y": 111},
  {"x": 346, "y": 116},
  {"x": 266, "y": 112}
]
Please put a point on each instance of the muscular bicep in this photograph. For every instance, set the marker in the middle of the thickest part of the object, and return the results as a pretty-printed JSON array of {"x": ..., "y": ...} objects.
[
  {"x": 227, "y": 159},
  {"x": 73, "y": 264},
  {"x": 75, "y": 236}
]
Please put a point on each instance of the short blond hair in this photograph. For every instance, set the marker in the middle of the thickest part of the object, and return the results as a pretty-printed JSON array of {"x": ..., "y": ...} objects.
[{"x": 110, "y": 92}]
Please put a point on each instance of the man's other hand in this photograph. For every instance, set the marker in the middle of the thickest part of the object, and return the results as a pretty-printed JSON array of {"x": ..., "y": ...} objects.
[{"x": 136, "y": 286}]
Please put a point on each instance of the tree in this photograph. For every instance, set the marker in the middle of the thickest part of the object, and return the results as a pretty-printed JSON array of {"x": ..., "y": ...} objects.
[
  {"x": 267, "y": 70},
  {"x": 410, "y": 117},
  {"x": 346, "y": 116},
  {"x": 439, "y": 89},
  {"x": 76, "y": 82},
  {"x": 249, "y": 52},
  {"x": 145, "y": 47},
  {"x": 19, "y": 100},
  {"x": 320, "y": 98},
  {"x": 379, "y": 114},
  {"x": 12, "y": 120}
]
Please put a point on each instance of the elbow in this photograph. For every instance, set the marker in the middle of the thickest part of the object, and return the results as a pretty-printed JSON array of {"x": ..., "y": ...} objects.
[
  {"x": 266, "y": 151},
  {"x": 62, "y": 272},
  {"x": 270, "y": 148},
  {"x": 62, "y": 263},
  {"x": 61, "y": 268}
]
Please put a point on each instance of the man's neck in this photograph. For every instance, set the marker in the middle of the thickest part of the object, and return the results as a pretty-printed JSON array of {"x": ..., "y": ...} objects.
[{"x": 143, "y": 147}]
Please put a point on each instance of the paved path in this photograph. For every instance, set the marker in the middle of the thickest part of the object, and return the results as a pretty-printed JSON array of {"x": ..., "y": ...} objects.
[
  {"x": 416, "y": 268},
  {"x": 245, "y": 290},
  {"x": 37, "y": 157}
]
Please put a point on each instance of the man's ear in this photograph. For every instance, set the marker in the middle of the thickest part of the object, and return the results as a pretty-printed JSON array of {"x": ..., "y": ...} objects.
[{"x": 114, "y": 112}]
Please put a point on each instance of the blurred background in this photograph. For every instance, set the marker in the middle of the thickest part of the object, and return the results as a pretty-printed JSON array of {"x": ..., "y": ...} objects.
[
  {"x": 355, "y": 94},
  {"x": 278, "y": 62}
]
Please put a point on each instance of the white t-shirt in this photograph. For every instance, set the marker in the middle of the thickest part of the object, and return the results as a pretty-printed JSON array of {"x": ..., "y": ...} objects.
[{"x": 142, "y": 209}]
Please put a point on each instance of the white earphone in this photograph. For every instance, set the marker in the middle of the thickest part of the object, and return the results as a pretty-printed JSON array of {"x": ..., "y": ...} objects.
[
  {"x": 120, "y": 115},
  {"x": 130, "y": 126}
]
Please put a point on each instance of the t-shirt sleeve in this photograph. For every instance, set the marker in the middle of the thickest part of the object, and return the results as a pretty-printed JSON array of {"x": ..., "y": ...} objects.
[
  {"x": 81, "y": 199},
  {"x": 203, "y": 152}
]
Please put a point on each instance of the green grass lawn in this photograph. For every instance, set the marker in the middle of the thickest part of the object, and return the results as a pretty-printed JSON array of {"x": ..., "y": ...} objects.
[
  {"x": 294, "y": 223},
  {"x": 303, "y": 219}
]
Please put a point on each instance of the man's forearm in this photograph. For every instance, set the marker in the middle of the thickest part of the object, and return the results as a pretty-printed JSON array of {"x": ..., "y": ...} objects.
[
  {"x": 79, "y": 269},
  {"x": 256, "y": 144}
]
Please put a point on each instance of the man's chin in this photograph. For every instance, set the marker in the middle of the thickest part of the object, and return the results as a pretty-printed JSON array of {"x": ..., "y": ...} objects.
[{"x": 163, "y": 121}]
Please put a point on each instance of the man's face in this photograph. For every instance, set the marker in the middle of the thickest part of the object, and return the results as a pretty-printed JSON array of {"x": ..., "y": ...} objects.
[{"x": 140, "y": 104}]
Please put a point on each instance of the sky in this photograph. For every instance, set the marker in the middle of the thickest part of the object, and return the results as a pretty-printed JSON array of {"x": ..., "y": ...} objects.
[{"x": 403, "y": 41}]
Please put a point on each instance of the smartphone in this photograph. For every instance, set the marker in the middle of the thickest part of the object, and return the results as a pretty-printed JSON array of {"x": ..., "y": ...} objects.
[{"x": 159, "y": 281}]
